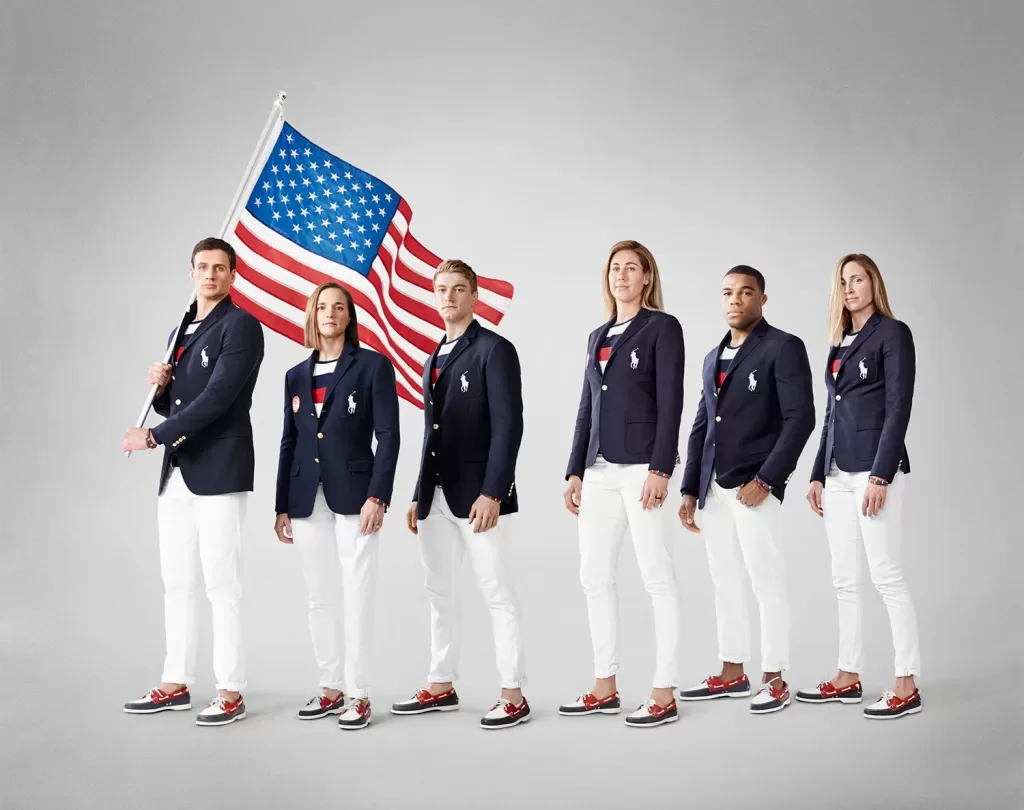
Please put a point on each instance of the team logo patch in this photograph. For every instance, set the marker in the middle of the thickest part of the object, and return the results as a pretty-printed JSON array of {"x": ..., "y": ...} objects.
[{"x": 295, "y": 404}]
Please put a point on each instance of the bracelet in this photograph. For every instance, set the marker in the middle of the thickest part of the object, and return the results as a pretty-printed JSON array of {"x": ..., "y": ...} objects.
[
  {"x": 379, "y": 502},
  {"x": 874, "y": 479},
  {"x": 662, "y": 474},
  {"x": 765, "y": 486},
  {"x": 150, "y": 441}
]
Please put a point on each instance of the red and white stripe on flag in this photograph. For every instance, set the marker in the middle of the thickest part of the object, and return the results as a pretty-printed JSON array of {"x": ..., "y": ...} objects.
[{"x": 394, "y": 302}]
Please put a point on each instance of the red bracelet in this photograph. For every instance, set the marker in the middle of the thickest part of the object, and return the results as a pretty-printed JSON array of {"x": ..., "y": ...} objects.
[
  {"x": 662, "y": 474},
  {"x": 379, "y": 502}
]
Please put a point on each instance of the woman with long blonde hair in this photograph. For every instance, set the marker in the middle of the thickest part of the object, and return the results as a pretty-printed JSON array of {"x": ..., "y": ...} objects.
[
  {"x": 858, "y": 479},
  {"x": 624, "y": 451}
]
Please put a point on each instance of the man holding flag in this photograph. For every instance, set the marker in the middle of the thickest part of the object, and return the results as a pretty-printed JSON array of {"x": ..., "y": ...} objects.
[{"x": 204, "y": 394}]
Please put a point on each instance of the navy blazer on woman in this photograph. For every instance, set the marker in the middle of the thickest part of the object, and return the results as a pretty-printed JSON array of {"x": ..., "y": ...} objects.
[
  {"x": 868, "y": 406},
  {"x": 758, "y": 421},
  {"x": 631, "y": 412},
  {"x": 207, "y": 433},
  {"x": 473, "y": 419},
  {"x": 336, "y": 450}
]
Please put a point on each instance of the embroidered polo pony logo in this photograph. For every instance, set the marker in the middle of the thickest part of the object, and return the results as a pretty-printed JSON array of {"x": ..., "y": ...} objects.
[
  {"x": 206, "y": 360},
  {"x": 863, "y": 369},
  {"x": 751, "y": 381},
  {"x": 352, "y": 402},
  {"x": 464, "y": 381},
  {"x": 634, "y": 361}
]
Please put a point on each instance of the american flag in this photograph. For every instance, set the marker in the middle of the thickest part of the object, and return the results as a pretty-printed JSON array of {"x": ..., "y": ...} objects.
[{"x": 311, "y": 217}]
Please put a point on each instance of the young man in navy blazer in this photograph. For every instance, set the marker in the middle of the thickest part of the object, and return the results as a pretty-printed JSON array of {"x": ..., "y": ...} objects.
[
  {"x": 473, "y": 410},
  {"x": 755, "y": 415},
  {"x": 204, "y": 394}
]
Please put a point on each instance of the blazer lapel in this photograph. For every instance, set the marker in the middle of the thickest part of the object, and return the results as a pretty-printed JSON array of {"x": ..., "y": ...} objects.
[
  {"x": 212, "y": 317},
  {"x": 634, "y": 326},
  {"x": 460, "y": 346},
  {"x": 746, "y": 347},
  {"x": 427, "y": 367},
  {"x": 862, "y": 335},
  {"x": 595, "y": 347},
  {"x": 306, "y": 387},
  {"x": 344, "y": 362},
  {"x": 830, "y": 379},
  {"x": 708, "y": 376}
]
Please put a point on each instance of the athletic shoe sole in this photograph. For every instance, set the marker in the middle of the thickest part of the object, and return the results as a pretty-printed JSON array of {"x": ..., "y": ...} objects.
[
  {"x": 829, "y": 700},
  {"x": 240, "y": 716},
  {"x": 653, "y": 724},
  {"x": 592, "y": 711},
  {"x": 424, "y": 711},
  {"x": 747, "y": 693},
  {"x": 180, "y": 708},
  {"x": 513, "y": 724},
  {"x": 893, "y": 716},
  {"x": 778, "y": 708}
]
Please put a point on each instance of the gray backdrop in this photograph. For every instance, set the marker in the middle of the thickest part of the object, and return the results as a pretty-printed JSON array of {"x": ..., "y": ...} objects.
[{"x": 528, "y": 140}]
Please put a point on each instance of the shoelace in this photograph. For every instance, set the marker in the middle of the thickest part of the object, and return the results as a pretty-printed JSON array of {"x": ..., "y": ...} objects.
[{"x": 887, "y": 696}]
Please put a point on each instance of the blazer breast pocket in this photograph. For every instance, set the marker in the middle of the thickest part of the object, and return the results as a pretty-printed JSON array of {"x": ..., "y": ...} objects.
[
  {"x": 868, "y": 366},
  {"x": 468, "y": 384},
  {"x": 349, "y": 401}
]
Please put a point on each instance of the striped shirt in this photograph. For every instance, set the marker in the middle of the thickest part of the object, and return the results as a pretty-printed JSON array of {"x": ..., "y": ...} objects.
[
  {"x": 724, "y": 361},
  {"x": 837, "y": 361},
  {"x": 610, "y": 340},
  {"x": 442, "y": 359},
  {"x": 189, "y": 330},
  {"x": 321, "y": 376}
]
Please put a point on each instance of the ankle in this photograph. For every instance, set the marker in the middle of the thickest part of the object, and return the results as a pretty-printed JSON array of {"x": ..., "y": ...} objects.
[
  {"x": 439, "y": 688},
  {"x": 513, "y": 696},
  {"x": 731, "y": 672},
  {"x": 169, "y": 688},
  {"x": 905, "y": 686},
  {"x": 604, "y": 688},
  {"x": 845, "y": 679},
  {"x": 332, "y": 694},
  {"x": 663, "y": 697},
  {"x": 232, "y": 696},
  {"x": 769, "y": 677}
]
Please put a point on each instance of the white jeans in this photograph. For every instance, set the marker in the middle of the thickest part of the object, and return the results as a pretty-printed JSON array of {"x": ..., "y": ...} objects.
[
  {"x": 745, "y": 539},
  {"x": 324, "y": 540},
  {"x": 213, "y": 524},
  {"x": 443, "y": 539},
  {"x": 846, "y": 526},
  {"x": 609, "y": 503}
]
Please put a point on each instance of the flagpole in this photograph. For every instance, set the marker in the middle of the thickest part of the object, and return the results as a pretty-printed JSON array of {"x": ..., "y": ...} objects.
[{"x": 276, "y": 113}]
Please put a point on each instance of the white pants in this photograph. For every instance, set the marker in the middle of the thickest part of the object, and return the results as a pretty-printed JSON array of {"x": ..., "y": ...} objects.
[
  {"x": 324, "y": 540},
  {"x": 443, "y": 539},
  {"x": 846, "y": 525},
  {"x": 213, "y": 524},
  {"x": 609, "y": 503},
  {"x": 745, "y": 539}
]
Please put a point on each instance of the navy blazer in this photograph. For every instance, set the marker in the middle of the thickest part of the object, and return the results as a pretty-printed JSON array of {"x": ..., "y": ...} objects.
[
  {"x": 868, "y": 405},
  {"x": 760, "y": 420},
  {"x": 631, "y": 412},
  {"x": 361, "y": 401},
  {"x": 207, "y": 432},
  {"x": 473, "y": 421}
]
